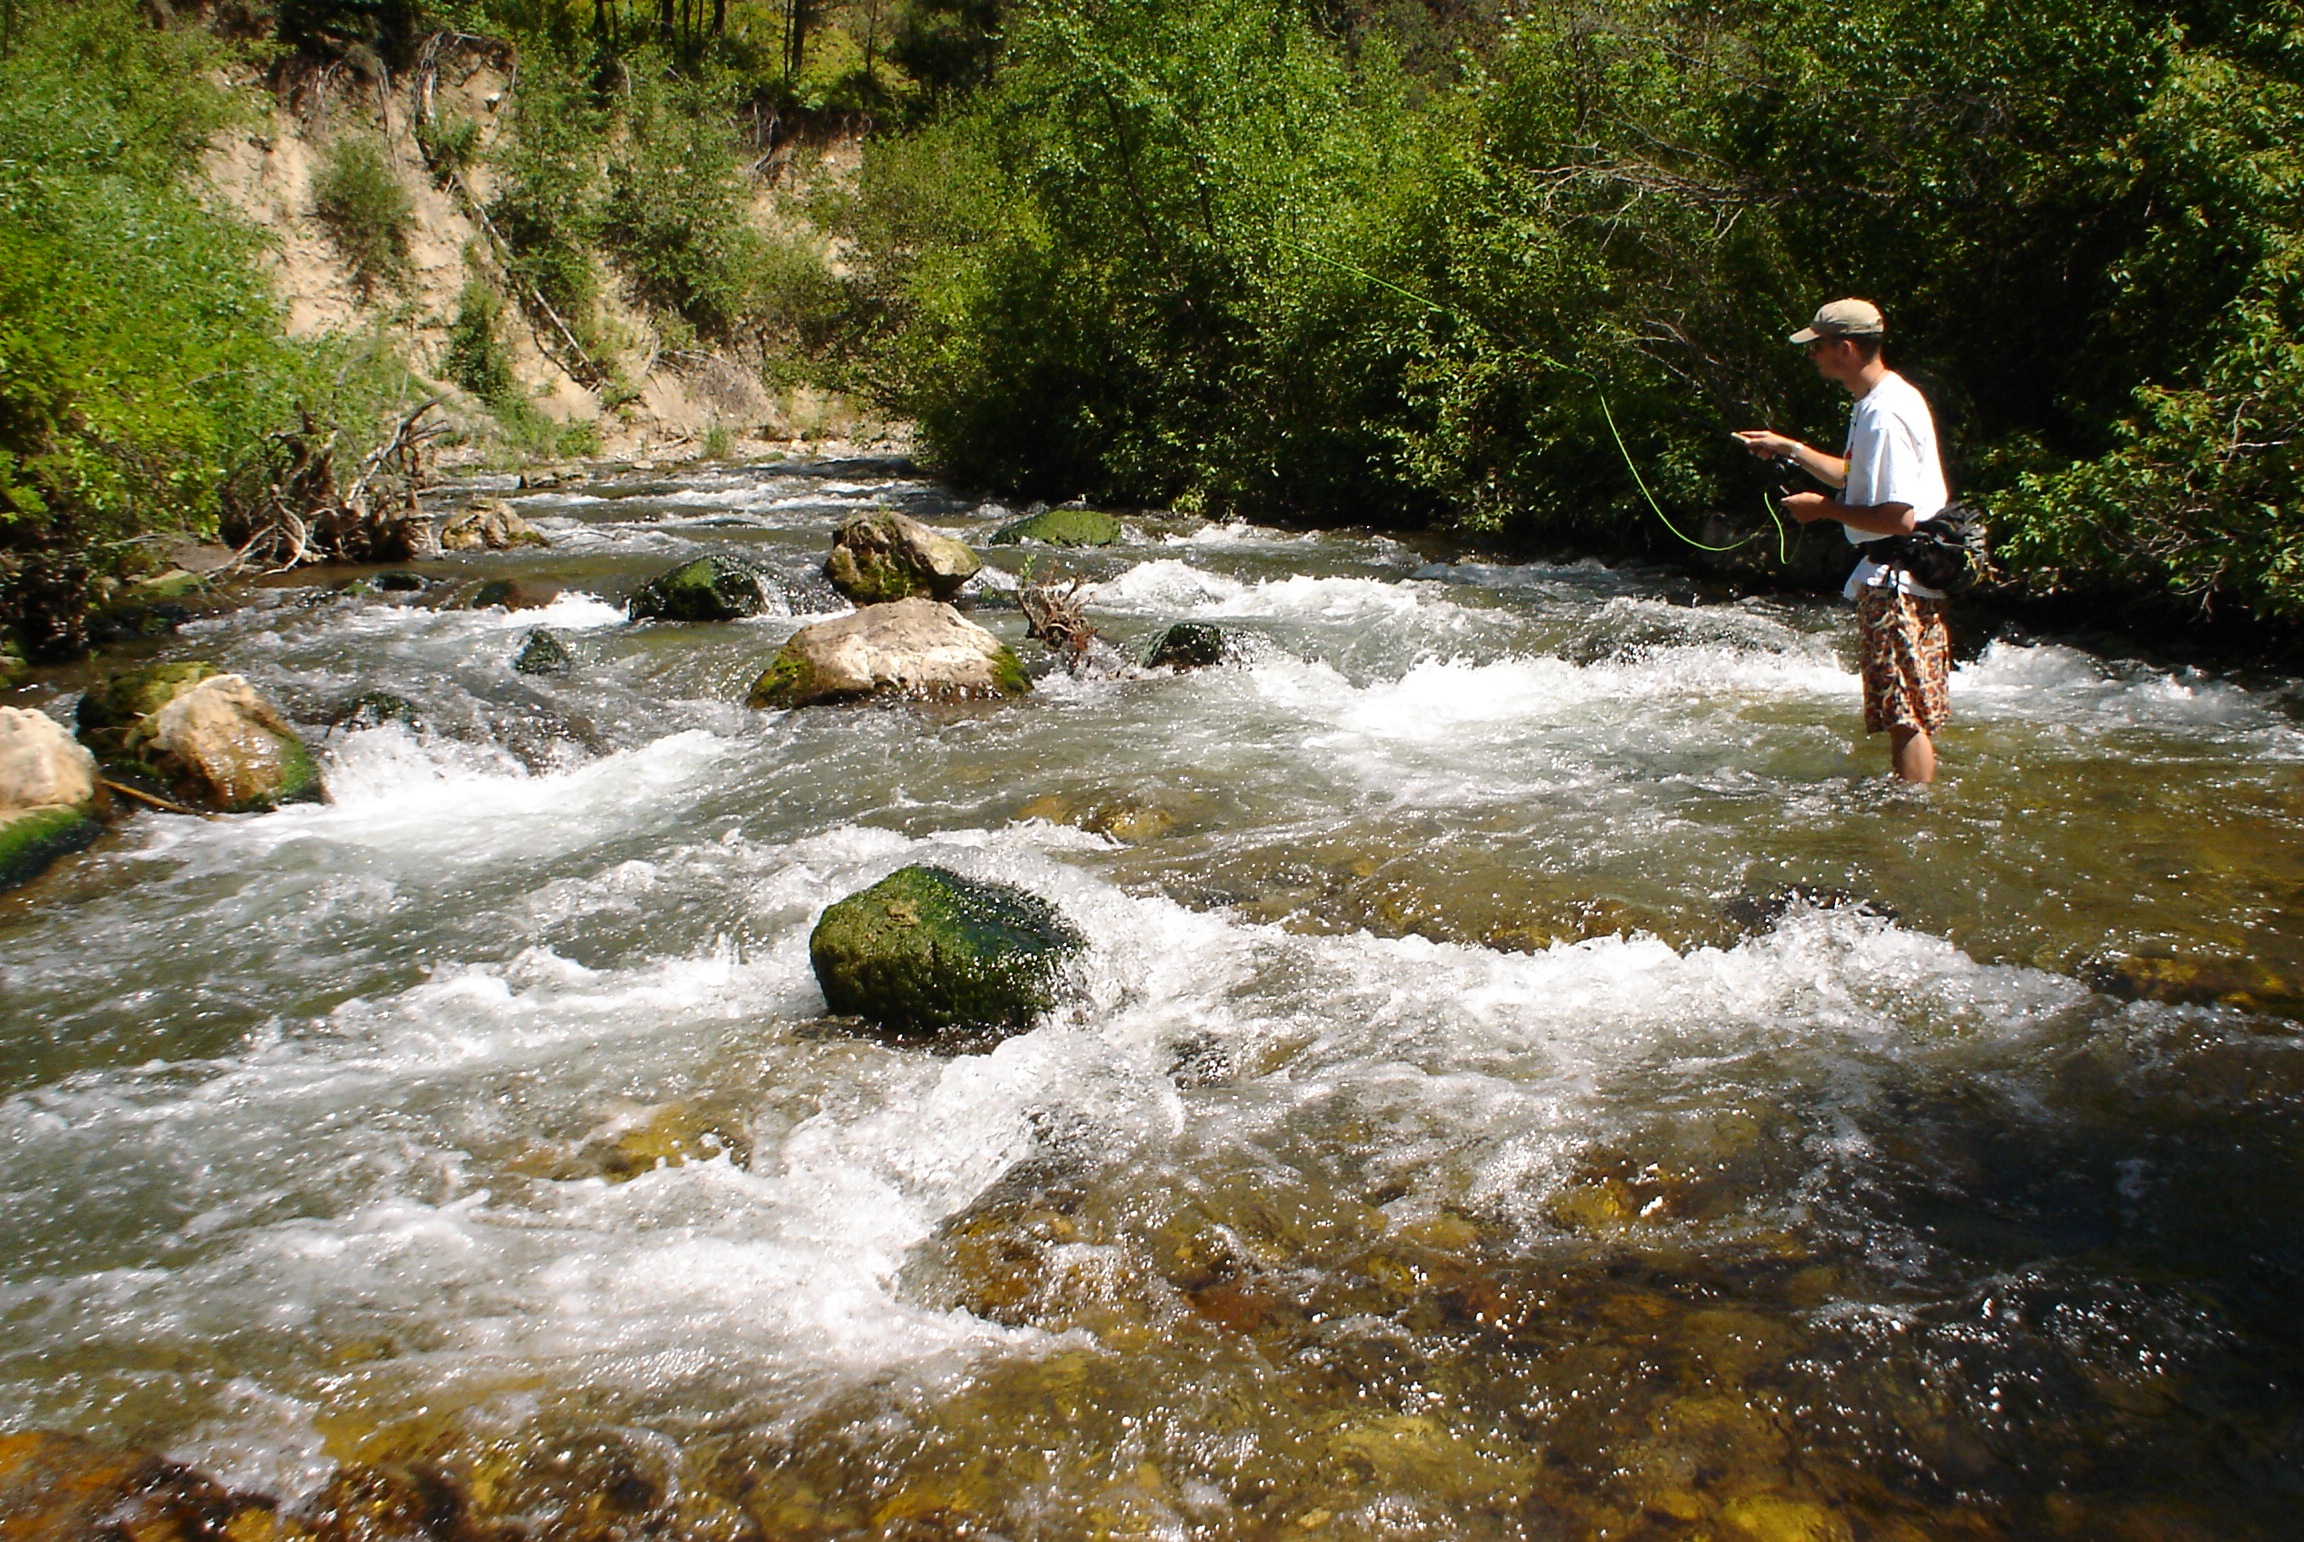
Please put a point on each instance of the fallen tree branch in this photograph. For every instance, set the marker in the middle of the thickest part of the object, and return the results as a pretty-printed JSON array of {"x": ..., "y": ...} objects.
[{"x": 162, "y": 804}]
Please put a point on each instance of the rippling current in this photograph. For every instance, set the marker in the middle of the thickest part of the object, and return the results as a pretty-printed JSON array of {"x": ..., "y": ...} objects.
[{"x": 1535, "y": 1078}]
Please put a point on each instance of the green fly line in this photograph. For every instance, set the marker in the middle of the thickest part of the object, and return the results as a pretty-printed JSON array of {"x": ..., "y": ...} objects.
[{"x": 1622, "y": 449}]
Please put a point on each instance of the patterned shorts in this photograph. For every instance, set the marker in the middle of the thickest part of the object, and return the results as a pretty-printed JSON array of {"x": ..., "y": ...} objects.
[{"x": 1907, "y": 655}]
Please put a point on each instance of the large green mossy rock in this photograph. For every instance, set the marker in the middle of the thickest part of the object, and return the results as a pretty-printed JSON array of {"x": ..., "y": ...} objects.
[
  {"x": 207, "y": 736},
  {"x": 883, "y": 555},
  {"x": 708, "y": 589},
  {"x": 1060, "y": 527},
  {"x": 925, "y": 948},
  {"x": 31, "y": 839}
]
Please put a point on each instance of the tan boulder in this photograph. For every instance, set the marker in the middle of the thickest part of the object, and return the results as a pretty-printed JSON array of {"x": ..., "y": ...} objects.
[
  {"x": 489, "y": 525},
  {"x": 223, "y": 744},
  {"x": 915, "y": 648},
  {"x": 41, "y": 764},
  {"x": 882, "y": 555}
]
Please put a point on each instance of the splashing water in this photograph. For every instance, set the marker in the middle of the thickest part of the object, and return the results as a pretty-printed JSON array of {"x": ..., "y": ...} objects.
[{"x": 1464, "y": 1130}]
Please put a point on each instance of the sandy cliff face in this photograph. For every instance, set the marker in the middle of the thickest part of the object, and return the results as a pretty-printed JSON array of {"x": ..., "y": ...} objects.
[{"x": 265, "y": 175}]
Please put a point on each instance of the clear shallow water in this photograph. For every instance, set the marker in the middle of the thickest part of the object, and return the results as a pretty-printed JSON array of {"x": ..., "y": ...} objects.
[{"x": 1446, "y": 1145}]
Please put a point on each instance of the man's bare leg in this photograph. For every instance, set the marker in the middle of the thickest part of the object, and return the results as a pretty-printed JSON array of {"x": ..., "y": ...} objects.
[{"x": 1913, "y": 754}]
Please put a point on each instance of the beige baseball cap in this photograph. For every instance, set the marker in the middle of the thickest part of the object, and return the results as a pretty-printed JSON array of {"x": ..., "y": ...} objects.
[{"x": 1844, "y": 318}]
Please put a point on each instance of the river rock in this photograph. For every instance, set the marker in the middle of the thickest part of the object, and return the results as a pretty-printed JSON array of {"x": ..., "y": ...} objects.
[
  {"x": 925, "y": 948},
  {"x": 48, "y": 795},
  {"x": 916, "y": 648},
  {"x": 708, "y": 589},
  {"x": 1187, "y": 645},
  {"x": 883, "y": 555},
  {"x": 489, "y": 525},
  {"x": 1060, "y": 527},
  {"x": 545, "y": 652},
  {"x": 208, "y": 736},
  {"x": 56, "y": 1487}
]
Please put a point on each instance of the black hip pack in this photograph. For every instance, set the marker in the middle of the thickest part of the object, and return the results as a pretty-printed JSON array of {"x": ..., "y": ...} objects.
[{"x": 1946, "y": 552}]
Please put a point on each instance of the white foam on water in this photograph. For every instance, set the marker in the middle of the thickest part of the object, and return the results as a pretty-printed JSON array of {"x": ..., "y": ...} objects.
[{"x": 2046, "y": 682}]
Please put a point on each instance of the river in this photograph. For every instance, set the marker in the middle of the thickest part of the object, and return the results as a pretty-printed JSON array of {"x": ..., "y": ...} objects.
[{"x": 1534, "y": 1078}]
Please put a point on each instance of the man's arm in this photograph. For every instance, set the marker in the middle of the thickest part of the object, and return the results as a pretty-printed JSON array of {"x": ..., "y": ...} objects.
[
  {"x": 1828, "y": 469},
  {"x": 1872, "y": 519}
]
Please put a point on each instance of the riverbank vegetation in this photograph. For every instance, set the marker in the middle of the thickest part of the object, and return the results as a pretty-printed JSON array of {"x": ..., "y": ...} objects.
[{"x": 1420, "y": 264}]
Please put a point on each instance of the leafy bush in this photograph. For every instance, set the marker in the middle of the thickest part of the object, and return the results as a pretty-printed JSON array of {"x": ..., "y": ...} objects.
[
  {"x": 478, "y": 357},
  {"x": 358, "y": 197},
  {"x": 675, "y": 214},
  {"x": 547, "y": 179},
  {"x": 142, "y": 358},
  {"x": 451, "y": 144}
]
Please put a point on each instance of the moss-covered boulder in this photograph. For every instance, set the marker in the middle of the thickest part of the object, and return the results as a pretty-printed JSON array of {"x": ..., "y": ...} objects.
[
  {"x": 882, "y": 555},
  {"x": 1060, "y": 527},
  {"x": 925, "y": 948},
  {"x": 911, "y": 648},
  {"x": 33, "y": 838},
  {"x": 709, "y": 589},
  {"x": 208, "y": 737},
  {"x": 1187, "y": 645}
]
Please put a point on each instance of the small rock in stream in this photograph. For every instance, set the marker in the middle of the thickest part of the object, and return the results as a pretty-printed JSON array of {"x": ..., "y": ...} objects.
[
  {"x": 545, "y": 652},
  {"x": 925, "y": 949},
  {"x": 1188, "y": 645},
  {"x": 489, "y": 525},
  {"x": 883, "y": 555}
]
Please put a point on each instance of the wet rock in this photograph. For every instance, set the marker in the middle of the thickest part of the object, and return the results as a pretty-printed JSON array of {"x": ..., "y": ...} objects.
[
  {"x": 61, "y": 1488},
  {"x": 31, "y": 839},
  {"x": 15, "y": 669},
  {"x": 883, "y": 555},
  {"x": 1187, "y": 645},
  {"x": 672, "y": 1135},
  {"x": 1123, "y": 817},
  {"x": 1060, "y": 527},
  {"x": 911, "y": 648},
  {"x": 925, "y": 948},
  {"x": 49, "y": 798},
  {"x": 712, "y": 588},
  {"x": 545, "y": 652},
  {"x": 2230, "y": 982},
  {"x": 373, "y": 709},
  {"x": 400, "y": 581},
  {"x": 506, "y": 594},
  {"x": 1760, "y": 913},
  {"x": 207, "y": 736},
  {"x": 489, "y": 525}
]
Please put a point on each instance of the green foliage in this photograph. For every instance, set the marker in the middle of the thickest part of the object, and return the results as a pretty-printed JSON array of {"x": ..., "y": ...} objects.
[
  {"x": 547, "y": 181},
  {"x": 366, "y": 211},
  {"x": 675, "y": 214},
  {"x": 479, "y": 358},
  {"x": 451, "y": 144},
  {"x": 142, "y": 361},
  {"x": 1223, "y": 252}
]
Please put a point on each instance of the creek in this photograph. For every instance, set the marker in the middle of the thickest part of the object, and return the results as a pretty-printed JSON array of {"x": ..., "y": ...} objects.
[{"x": 1533, "y": 1076}]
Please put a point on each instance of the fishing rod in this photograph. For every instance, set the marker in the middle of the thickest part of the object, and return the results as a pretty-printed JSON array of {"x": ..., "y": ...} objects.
[{"x": 1782, "y": 553}]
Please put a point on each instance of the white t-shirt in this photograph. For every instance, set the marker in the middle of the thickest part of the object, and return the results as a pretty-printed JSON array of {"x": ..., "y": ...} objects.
[{"x": 1892, "y": 459}]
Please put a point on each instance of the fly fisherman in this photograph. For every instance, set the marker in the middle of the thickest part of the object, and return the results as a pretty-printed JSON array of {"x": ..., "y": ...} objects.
[{"x": 1890, "y": 478}]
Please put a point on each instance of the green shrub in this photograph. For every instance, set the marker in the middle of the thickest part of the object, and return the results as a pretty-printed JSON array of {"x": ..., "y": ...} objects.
[
  {"x": 451, "y": 144},
  {"x": 479, "y": 359},
  {"x": 143, "y": 360},
  {"x": 547, "y": 181},
  {"x": 675, "y": 217},
  {"x": 367, "y": 212}
]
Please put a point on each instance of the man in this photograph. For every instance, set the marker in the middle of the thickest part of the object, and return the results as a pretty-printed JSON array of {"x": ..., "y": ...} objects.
[{"x": 1890, "y": 478}]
